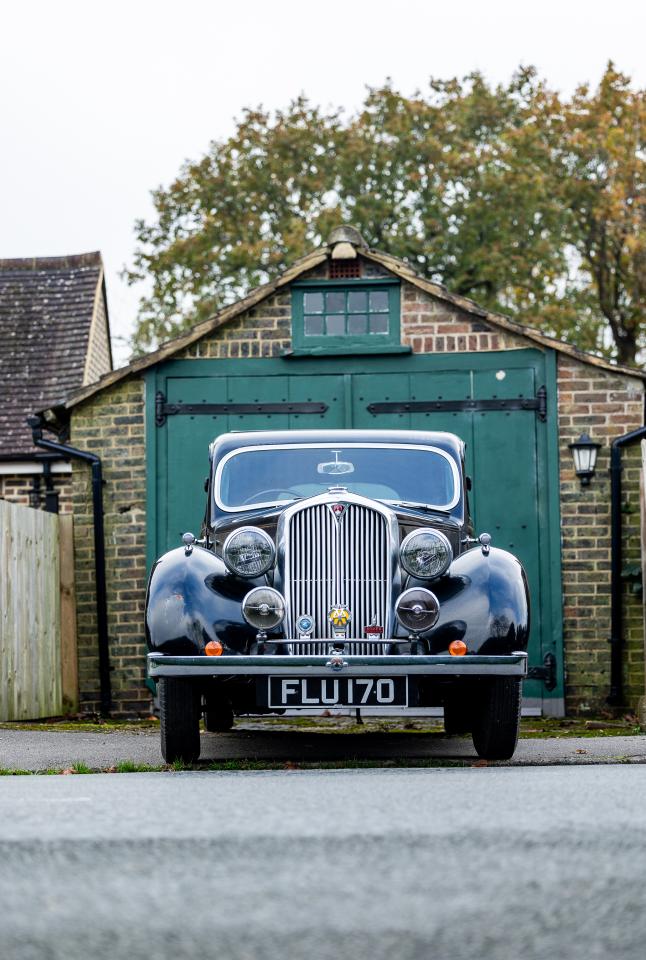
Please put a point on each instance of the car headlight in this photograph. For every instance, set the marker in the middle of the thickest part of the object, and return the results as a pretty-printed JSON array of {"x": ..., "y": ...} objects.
[
  {"x": 263, "y": 608},
  {"x": 426, "y": 554},
  {"x": 248, "y": 552},
  {"x": 417, "y": 609}
]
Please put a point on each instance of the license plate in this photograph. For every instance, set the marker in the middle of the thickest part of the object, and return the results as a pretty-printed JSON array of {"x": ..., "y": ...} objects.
[{"x": 338, "y": 692}]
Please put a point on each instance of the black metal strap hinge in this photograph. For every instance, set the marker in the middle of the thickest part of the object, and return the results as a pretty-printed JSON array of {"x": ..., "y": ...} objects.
[
  {"x": 546, "y": 673},
  {"x": 537, "y": 403},
  {"x": 164, "y": 409}
]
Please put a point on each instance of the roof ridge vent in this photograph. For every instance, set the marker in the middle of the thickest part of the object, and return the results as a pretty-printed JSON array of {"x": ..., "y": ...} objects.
[{"x": 344, "y": 241}]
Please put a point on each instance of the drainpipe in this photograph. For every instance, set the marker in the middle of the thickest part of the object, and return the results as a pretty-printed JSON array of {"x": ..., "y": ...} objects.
[
  {"x": 36, "y": 424},
  {"x": 616, "y": 696}
]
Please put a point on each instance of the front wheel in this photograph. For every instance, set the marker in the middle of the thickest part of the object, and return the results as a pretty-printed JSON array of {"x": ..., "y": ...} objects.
[
  {"x": 496, "y": 719},
  {"x": 179, "y": 719}
]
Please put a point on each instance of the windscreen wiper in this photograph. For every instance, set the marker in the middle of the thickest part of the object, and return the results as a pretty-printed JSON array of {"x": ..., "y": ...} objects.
[{"x": 419, "y": 506}]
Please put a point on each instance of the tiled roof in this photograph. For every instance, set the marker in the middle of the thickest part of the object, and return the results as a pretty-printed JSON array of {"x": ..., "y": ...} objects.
[{"x": 46, "y": 310}]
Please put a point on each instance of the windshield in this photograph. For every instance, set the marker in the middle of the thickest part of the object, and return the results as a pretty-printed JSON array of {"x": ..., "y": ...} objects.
[{"x": 261, "y": 476}]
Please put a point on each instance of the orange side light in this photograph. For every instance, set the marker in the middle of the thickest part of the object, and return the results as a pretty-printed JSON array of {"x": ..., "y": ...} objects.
[
  {"x": 213, "y": 648},
  {"x": 457, "y": 648}
]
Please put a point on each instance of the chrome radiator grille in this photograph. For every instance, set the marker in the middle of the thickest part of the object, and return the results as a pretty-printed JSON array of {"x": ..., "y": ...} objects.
[{"x": 338, "y": 561}]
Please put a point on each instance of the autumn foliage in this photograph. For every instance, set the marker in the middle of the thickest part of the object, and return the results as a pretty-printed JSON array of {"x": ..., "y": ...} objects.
[{"x": 529, "y": 203}]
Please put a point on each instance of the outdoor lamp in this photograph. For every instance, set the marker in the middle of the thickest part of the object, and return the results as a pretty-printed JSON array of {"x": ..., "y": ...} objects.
[{"x": 584, "y": 454}]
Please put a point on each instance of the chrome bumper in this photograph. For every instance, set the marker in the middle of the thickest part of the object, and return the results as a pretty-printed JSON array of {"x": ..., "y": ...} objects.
[{"x": 511, "y": 665}]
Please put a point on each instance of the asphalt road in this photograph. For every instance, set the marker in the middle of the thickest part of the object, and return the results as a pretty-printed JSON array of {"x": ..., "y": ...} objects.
[
  {"x": 41, "y": 750},
  {"x": 457, "y": 864}
]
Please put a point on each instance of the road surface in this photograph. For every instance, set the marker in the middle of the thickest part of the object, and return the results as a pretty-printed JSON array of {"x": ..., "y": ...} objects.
[
  {"x": 479, "y": 863},
  {"x": 43, "y": 750}
]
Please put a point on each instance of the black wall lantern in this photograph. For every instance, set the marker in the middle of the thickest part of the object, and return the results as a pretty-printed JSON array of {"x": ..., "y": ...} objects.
[{"x": 584, "y": 454}]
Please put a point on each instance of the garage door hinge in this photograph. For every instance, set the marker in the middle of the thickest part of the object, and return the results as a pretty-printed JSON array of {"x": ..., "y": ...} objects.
[
  {"x": 164, "y": 409},
  {"x": 537, "y": 403},
  {"x": 546, "y": 673}
]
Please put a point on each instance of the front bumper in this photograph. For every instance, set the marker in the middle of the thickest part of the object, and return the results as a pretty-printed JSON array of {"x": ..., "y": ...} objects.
[{"x": 510, "y": 665}]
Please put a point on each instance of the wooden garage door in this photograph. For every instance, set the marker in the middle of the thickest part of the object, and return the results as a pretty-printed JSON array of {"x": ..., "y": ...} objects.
[{"x": 501, "y": 404}]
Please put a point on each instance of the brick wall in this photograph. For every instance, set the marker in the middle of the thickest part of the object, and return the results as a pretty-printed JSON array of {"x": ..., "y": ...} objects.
[
  {"x": 605, "y": 404},
  {"x": 112, "y": 425},
  {"x": 19, "y": 488},
  {"x": 264, "y": 331},
  {"x": 429, "y": 325}
]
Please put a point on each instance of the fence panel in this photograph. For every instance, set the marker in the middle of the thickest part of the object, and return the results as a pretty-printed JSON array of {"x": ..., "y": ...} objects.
[{"x": 30, "y": 621}]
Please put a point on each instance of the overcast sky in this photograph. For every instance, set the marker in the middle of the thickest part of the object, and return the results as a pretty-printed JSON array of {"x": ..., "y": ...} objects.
[{"x": 101, "y": 103}]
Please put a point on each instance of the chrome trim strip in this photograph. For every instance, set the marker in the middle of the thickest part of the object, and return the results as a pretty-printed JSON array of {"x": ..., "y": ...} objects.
[
  {"x": 515, "y": 664},
  {"x": 329, "y": 446}
]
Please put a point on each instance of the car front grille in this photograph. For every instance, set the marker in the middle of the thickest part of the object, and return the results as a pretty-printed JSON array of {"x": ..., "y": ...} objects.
[{"x": 332, "y": 561}]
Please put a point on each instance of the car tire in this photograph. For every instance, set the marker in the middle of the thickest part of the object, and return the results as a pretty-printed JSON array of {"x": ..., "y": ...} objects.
[
  {"x": 218, "y": 716},
  {"x": 496, "y": 718},
  {"x": 179, "y": 719},
  {"x": 457, "y": 715}
]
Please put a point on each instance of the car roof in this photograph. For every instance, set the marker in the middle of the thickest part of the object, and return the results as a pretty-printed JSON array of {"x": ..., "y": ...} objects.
[{"x": 227, "y": 442}]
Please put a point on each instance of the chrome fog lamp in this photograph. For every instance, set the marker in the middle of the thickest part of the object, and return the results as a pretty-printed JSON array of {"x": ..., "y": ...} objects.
[
  {"x": 248, "y": 552},
  {"x": 426, "y": 554},
  {"x": 417, "y": 609},
  {"x": 584, "y": 453},
  {"x": 263, "y": 608}
]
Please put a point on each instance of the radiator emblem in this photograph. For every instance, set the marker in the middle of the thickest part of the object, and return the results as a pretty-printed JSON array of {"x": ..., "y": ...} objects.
[
  {"x": 305, "y": 625},
  {"x": 338, "y": 511},
  {"x": 339, "y": 616}
]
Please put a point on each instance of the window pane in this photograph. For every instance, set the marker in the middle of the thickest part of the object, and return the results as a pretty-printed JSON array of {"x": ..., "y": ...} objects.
[
  {"x": 357, "y": 301},
  {"x": 335, "y": 301},
  {"x": 314, "y": 327},
  {"x": 335, "y": 326},
  {"x": 378, "y": 301},
  {"x": 379, "y": 323},
  {"x": 313, "y": 303},
  {"x": 358, "y": 323}
]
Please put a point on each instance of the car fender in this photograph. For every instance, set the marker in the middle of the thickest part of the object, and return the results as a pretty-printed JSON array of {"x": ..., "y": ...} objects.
[
  {"x": 192, "y": 598},
  {"x": 484, "y": 600}
]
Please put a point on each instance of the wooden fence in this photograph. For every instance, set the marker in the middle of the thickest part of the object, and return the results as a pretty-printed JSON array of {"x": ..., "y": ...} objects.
[{"x": 38, "y": 672}]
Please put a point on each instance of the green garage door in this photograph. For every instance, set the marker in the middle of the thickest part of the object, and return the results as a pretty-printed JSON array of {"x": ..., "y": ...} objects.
[{"x": 502, "y": 404}]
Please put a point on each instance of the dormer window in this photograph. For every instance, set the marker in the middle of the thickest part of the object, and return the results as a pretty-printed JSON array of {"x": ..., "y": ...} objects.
[{"x": 345, "y": 315}]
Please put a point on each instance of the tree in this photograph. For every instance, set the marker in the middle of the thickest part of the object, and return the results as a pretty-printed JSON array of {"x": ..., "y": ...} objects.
[
  {"x": 601, "y": 161},
  {"x": 493, "y": 191}
]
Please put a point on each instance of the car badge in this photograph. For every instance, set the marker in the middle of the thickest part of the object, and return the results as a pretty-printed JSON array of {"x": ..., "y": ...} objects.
[
  {"x": 338, "y": 511},
  {"x": 374, "y": 630},
  {"x": 336, "y": 662},
  {"x": 339, "y": 616},
  {"x": 305, "y": 624}
]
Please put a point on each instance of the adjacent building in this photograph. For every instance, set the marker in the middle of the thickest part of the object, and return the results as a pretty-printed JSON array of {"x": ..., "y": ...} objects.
[{"x": 54, "y": 339}]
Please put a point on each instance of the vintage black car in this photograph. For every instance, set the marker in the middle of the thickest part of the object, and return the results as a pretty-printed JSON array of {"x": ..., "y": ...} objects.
[{"x": 337, "y": 568}]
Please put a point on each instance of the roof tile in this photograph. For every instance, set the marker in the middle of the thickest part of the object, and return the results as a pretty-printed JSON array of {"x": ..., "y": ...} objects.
[{"x": 46, "y": 310}]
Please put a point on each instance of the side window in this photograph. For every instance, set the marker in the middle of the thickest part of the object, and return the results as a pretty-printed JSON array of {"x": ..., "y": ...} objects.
[{"x": 342, "y": 316}]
